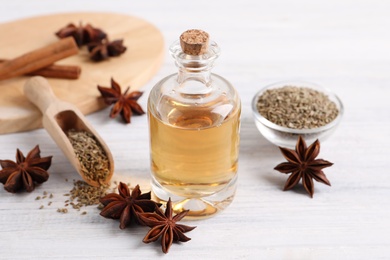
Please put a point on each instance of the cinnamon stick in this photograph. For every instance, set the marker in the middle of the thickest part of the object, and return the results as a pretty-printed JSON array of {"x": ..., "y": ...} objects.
[
  {"x": 38, "y": 59},
  {"x": 56, "y": 71}
]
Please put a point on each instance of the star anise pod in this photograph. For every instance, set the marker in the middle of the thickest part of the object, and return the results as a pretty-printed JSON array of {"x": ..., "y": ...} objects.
[
  {"x": 125, "y": 206},
  {"x": 165, "y": 226},
  {"x": 125, "y": 104},
  {"x": 82, "y": 34},
  {"x": 303, "y": 165},
  {"x": 104, "y": 49},
  {"x": 25, "y": 172}
]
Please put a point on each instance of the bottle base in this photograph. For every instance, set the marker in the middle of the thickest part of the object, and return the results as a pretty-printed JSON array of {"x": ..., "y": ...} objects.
[{"x": 199, "y": 207}]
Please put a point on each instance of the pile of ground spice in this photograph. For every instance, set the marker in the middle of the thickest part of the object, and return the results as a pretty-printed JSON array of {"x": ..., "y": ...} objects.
[
  {"x": 83, "y": 194},
  {"x": 297, "y": 107}
]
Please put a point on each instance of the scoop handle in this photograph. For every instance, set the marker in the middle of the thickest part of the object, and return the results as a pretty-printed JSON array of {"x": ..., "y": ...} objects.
[{"x": 38, "y": 91}]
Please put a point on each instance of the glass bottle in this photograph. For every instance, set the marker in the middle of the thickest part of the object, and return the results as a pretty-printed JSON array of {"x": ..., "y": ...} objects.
[{"x": 194, "y": 123}]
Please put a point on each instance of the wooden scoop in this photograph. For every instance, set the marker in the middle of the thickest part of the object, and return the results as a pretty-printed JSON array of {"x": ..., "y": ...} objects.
[{"x": 58, "y": 118}]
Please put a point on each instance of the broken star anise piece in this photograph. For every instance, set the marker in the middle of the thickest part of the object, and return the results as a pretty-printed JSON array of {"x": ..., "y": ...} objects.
[
  {"x": 165, "y": 226},
  {"x": 125, "y": 206},
  {"x": 82, "y": 34},
  {"x": 303, "y": 165},
  {"x": 103, "y": 50},
  {"x": 25, "y": 172},
  {"x": 125, "y": 104}
]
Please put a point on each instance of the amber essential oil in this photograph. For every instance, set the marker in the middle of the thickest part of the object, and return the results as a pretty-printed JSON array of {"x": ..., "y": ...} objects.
[{"x": 193, "y": 157}]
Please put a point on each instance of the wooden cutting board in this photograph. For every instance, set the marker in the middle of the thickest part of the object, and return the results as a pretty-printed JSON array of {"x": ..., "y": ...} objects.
[{"x": 144, "y": 55}]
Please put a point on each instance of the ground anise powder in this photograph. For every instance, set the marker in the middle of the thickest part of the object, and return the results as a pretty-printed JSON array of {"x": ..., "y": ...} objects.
[{"x": 297, "y": 107}]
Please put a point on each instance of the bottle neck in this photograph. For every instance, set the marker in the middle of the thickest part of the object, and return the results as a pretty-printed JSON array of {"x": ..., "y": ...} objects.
[
  {"x": 194, "y": 75},
  {"x": 188, "y": 73}
]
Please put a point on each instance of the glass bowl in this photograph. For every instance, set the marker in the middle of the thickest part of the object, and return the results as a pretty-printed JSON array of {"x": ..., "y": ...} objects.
[{"x": 287, "y": 137}]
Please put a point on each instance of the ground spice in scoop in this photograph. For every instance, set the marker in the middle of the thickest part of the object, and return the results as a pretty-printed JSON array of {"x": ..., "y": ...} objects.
[
  {"x": 93, "y": 159},
  {"x": 297, "y": 107}
]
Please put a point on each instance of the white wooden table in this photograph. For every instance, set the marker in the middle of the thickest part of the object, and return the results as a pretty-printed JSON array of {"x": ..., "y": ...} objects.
[{"x": 343, "y": 45}]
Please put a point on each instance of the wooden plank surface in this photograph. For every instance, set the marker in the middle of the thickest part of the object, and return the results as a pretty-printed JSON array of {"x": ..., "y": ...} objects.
[
  {"x": 343, "y": 45},
  {"x": 133, "y": 68}
]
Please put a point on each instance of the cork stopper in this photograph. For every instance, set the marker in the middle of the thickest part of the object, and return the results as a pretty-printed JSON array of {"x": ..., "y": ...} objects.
[{"x": 194, "y": 42}]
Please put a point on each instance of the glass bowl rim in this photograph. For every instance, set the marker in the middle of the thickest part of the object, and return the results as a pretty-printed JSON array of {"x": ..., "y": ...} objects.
[{"x": 298, "y": 83}]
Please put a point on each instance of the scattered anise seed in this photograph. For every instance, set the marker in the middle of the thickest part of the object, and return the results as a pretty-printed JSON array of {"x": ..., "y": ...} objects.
[
  {"x": 125, "y": 104},
  {"x": 303, "y": 165},
  {"x": 165, "y": 226},
  {"x": 25, "y": 172},
  {"x": 62, "y": 210},
  {"x": 125, "y": 206}
]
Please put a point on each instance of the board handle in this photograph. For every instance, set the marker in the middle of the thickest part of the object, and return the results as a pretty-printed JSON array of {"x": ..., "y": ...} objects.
[{"x": 39, "y": 92}]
